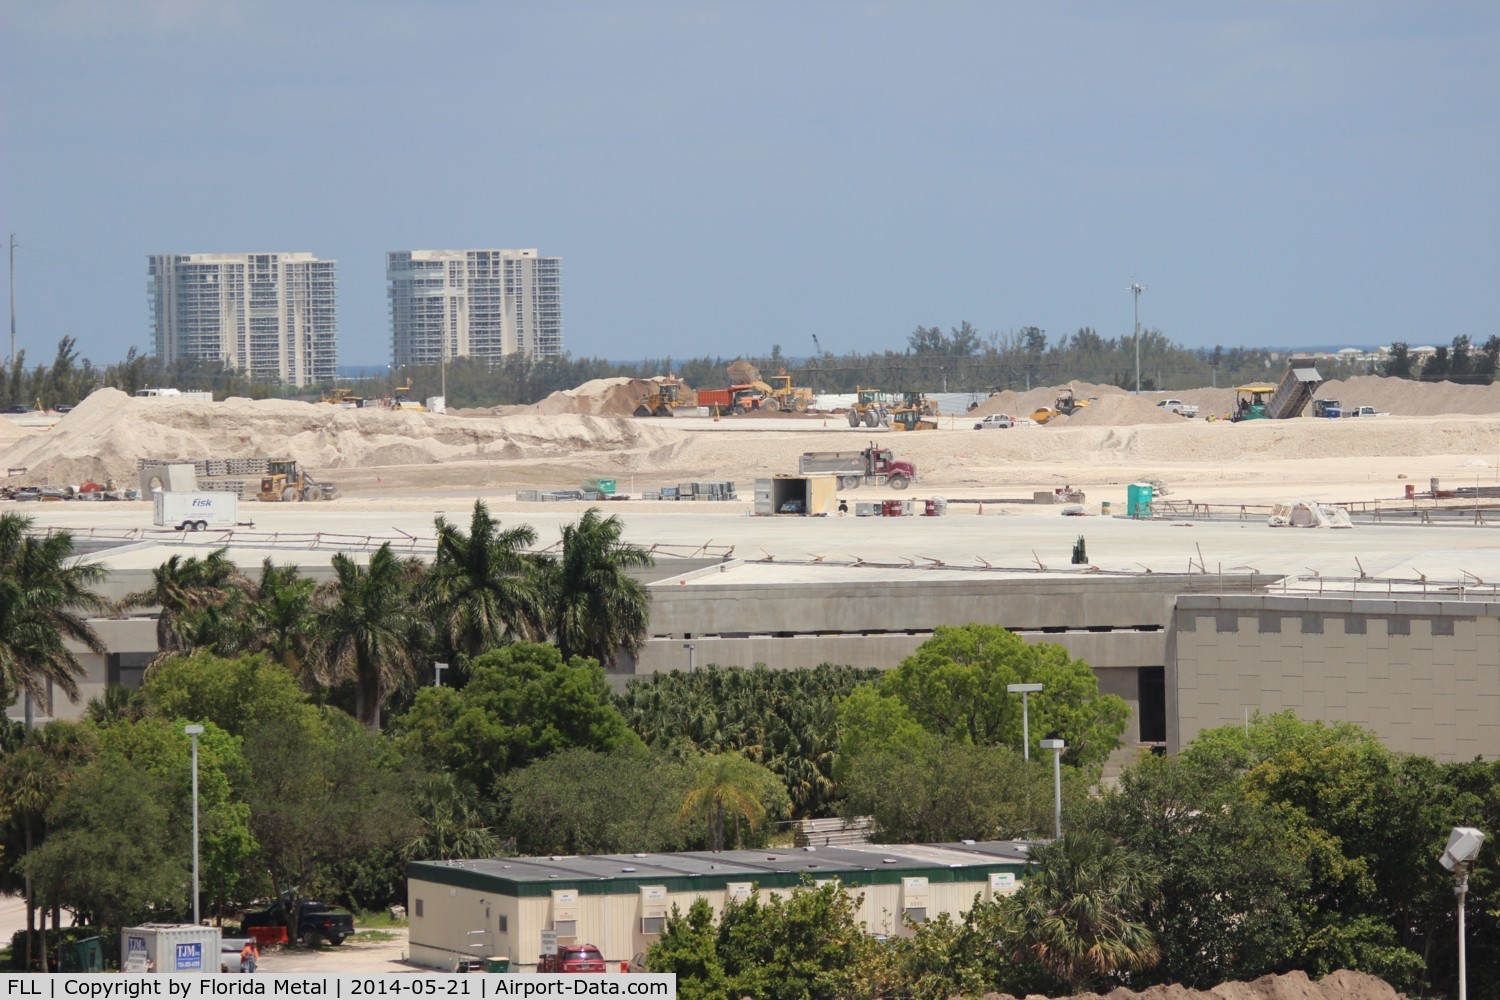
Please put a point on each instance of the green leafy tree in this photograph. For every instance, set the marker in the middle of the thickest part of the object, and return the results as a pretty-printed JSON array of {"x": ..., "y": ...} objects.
[
  {"x": 322, "y": 791},
  {"x": 116, "y": 857},
  {"x": 45, "y": 599},
  {"x": 1081, "y": 910},
  {"x": 158, "y": 746},
  {"x": 522, "y": 703},
  {"x": 239, "y": 694},
  {"x": 804, "y": 946},
  {"x": 483, "y": 589},
  {"x": 581, "y": 801},
  {"x": 955, "y": 685},
  {"x": 595, "y": 607},
  {"x": 452, "y": 826},
  {"x": 934, "y": 788},
  {"x": 786, "y": 720},
  {"x": 729, "y": 787},
  {"x": 363, "y": 630}
]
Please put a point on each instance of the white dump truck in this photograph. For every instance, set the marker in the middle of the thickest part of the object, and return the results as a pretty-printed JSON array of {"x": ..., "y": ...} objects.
[{"x": 195, "y": 511}]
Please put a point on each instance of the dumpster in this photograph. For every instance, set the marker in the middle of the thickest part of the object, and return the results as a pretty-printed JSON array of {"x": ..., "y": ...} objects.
[
  {"x": 1138, "y": 500},
  {"x": 497, "y": 965},
  {"x": 83, "y": 955}
]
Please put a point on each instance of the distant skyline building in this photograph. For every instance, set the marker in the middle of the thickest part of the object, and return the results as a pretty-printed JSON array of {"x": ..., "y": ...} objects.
[
  {"x": 473, "y": 304},
  {"x": 269, "y": 315}
]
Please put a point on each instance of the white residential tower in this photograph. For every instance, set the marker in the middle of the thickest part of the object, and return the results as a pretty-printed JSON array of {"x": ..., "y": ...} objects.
[
  {"x": 473, "y": 304},
  {"x": 270, "y": 315}
]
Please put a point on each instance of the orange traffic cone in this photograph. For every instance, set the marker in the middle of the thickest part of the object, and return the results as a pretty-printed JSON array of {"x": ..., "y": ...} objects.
[{"x": 981, "y": 508}]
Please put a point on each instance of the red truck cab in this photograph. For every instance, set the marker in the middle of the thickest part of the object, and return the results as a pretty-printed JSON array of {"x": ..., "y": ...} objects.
[
  {"x": 572, "y": 958},
  {"x": 883, "y": 464}
]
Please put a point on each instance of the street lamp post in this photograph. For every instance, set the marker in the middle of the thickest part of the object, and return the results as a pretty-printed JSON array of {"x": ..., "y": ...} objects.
[
  {"x": 1137, "y": 288},
  {"x": 692, "y": 655},
  {"x": 1024, "y": 690},
  {"x": 1057, "y": 747},
  {"x": 194, "y": 731},
  {"x": 437, "y": 673},
  {"x": 1458, "y": 857}
]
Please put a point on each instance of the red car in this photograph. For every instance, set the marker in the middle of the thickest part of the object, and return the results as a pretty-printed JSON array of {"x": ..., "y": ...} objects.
[{"x": 572, "y": 958}]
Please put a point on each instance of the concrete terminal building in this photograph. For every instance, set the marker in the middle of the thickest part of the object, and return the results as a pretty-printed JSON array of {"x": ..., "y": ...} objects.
[{"x": 1414, "y": 659}]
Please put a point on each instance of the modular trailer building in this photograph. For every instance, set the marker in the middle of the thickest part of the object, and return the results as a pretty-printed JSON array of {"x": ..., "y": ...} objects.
[{"x": 499, "y": 907}]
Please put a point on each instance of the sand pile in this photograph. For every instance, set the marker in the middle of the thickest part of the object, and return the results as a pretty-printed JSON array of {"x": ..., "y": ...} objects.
[
  {"x": 10, "y": 432},
  {"x": 1117, "y": 409},
  {"x": 600, "y": 397},
  {"x": 110, "y": 431},
  {"x": 1021, "y": 404},
  {"x": 1340, "y": 985}
]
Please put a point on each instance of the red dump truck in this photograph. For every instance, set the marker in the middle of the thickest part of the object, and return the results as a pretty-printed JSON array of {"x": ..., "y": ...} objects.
[{"x": 875, "y": 466}]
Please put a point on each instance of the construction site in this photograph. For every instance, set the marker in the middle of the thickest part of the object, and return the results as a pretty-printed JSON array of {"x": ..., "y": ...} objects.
[{"x": 1346, "y": 568}]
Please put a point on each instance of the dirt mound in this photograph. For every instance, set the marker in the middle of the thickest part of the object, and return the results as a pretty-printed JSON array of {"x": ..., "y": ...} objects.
[
  {"x": 10, "y": 432},
  {"x": 1116, "y": 409},
  {"x": 109, "y": 431},
  {"x": 1021, "y": 404},
  {"x": 600, "y": 397},
  {"x": 1341, "y": 985}
]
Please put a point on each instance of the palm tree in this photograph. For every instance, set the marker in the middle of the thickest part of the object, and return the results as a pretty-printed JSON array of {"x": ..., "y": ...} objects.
[
  {"x": 363, "y": 624},
  {"x": 42, "y": 592},
  {"x": 483, "y": 589},
  {"x": 30, "y": 779},
  {"x": 1080, "y": 909},
  {"x": 596, "y": 608},
  {"x": 726, "y": 783},
  {"x": 280, "y": 615},
  {"x": 183, "y": 589}
]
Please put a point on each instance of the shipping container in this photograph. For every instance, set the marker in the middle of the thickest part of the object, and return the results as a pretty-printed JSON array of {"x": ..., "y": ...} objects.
[{"x": 169, "y": 948}]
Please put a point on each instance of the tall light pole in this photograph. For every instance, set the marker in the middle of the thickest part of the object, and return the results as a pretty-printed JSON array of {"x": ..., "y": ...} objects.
[
  {"x": 1458, "y": 857},
  {"x": 195, "y": 731},
  {"x": 1024, "y": 690},
  {"x": 692, "y": 655},
  {"x": 1137, "y": 288},
  {"x": 1057, "y": 747}
]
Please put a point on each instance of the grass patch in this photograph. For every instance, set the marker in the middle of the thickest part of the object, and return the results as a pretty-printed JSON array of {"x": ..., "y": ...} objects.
[
  {"x": 377, "y": 919},
  {"x": 365, "y": 937}
]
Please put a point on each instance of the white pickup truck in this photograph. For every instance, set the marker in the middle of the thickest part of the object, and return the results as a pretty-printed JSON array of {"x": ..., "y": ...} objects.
[
  {"x": 1363, "y": 411},
  {"x": 1178, "y": 407}
]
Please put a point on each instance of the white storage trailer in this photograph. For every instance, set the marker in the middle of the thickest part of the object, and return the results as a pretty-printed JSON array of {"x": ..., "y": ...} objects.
[
  {"x": 195, "y": 511},
  {"x": 169, "y": 948}
]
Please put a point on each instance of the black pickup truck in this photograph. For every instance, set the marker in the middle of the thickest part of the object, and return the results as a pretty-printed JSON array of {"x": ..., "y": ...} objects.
[{"x": 314, "y": 920}]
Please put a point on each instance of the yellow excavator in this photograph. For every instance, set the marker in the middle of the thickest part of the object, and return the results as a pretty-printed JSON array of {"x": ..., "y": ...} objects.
[
  {"x": 782, "y": 395},
  {"x": 664, "y": 396}
]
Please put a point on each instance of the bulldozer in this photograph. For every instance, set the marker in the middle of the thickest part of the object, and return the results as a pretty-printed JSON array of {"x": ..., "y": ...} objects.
[
  {"x": 401, "y": 398},
  {"x": 663, "y": 397},
  {"x": 905, "y": 418},
  {"x": 869, "y": 408},
  {"x": 286, "y": 482},
  {"x": 343, "y": 398},
  {"x": 781, "y": 395},
  {"x": 1067, "y": 404}
]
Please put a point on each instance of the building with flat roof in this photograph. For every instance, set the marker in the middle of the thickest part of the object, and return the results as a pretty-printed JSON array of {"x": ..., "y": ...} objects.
[
  {"x": 484, "y": 304},
  {"x": 269, "y": 315},
  {"x": 499, "y": 907}
]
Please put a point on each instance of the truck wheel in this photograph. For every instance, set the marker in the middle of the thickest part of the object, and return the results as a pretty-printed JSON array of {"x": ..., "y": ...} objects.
[
  {"x": 898, "y": 482},
  {"x": 771, "y": 405},
  {"x": 664, "y": 411},
  {"x": 200, "y": 525},
  {"x": 313, "y": 493},
  {"x": 290, "y": 495},
  {"x": 800, "y": 406},
  {"x": 642, "y": 411},
  {"x": 871, "y": 418},
  {"x": 853, "y": 418},
  {"x": 336, "y": 940}
]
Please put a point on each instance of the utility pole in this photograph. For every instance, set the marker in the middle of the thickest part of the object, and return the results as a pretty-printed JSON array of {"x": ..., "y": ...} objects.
[
  {"x": 12, "y": 300},
  {"x": 1137, "y": 288}
]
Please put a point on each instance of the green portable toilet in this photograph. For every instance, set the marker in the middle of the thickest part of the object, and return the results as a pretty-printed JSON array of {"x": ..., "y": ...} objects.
[
  {"x": 1138, "y": 500},
  {"x": 497, "y": 965}
]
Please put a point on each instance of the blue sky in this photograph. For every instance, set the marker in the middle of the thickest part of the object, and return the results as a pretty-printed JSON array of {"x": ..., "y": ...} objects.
[{"x": 719, "y": 177}]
